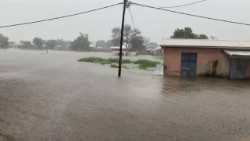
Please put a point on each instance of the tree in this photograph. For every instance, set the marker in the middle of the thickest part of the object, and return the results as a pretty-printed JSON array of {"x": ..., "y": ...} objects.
[
  {"x": 26, "y": 44},
  {"x": 149, "y": 44},
  {"x": 38, "y": 42},
  {"x": 109, "y": 43},
  {"x": 4, "y": 41},
  {"x": 187, "y": 33},
  {"x": 51, "y": 44},
  {"x": 116, "y": 35},
  {"x": 65, "y": 45},
  {"x": 152, "y": 45},
  {"x": 81, "y": 43},
  {"x": 129, "y": 34},
  {"x": 137, "y": 43},
  {"x": 202, "y": 36},
  {"x": 132, "y": 38},
  {"x": 101, "y": 43}
]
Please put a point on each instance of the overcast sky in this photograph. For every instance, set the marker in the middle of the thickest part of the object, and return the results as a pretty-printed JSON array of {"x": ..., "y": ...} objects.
[{"x": 153, "y": 24}]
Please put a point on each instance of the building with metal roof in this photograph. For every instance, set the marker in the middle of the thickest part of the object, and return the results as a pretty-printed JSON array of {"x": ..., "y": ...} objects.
[
  {"x": 192, "y": 57},
  {"x": 206, "y": 43}
]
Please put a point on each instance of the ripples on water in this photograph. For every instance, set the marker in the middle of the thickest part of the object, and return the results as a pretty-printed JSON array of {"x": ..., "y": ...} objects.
[
  {"x": 180, "y": 86},
  {"x": 43, "y": 92}
]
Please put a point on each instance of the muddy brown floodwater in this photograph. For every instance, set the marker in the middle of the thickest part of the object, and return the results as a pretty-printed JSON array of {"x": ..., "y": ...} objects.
[{"x": 54, "y": 97}]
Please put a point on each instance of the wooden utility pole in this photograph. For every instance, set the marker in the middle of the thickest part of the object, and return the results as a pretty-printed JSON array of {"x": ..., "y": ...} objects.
[{"x": 121, "y": 41}]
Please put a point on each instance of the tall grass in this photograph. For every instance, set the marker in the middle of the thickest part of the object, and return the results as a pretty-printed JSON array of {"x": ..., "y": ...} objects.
[
  {"x": 142, "y": 63},
  {"x": 145, "y": 64}
]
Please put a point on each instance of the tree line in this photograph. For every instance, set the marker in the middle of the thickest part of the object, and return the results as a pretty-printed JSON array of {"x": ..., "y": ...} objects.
[
  {"x": 39, "y": 43},
  {"x": 133, "y": 40},
  {"x": 4, "y": 41}
]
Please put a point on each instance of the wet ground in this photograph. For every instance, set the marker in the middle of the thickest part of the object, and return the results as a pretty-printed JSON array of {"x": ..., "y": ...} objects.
[{"x": 54, "y": 97}]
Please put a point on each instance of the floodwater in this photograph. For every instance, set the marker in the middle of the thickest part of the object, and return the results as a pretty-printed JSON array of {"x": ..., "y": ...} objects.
[{"x": 54, "y": 97}]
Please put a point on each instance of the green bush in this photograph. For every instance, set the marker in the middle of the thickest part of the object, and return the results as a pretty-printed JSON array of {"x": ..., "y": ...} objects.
[
  {"x": 142, "y": 64},
  {"x": 104, "y": 61},
  {"x": 116, "y": 60},
  {"x": 93, "y": 60},
  {"x": 146, "y": 64}
]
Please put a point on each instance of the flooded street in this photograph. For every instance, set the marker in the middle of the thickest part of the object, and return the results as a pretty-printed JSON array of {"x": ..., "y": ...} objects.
[{"x": 54, "y": 97}]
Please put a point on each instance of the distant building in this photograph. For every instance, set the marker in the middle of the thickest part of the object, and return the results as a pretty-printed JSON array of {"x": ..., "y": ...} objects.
[
  {"x": 190, "y": 58},
  {"x": 59, "y": 47},
  {"x": 93, "y": 45},
  {"x": 116, "y": 50},
  {"x": 14, "y": 45},
  {"x": 158, "y": 51},
  {"x": 62, "y": 45}
]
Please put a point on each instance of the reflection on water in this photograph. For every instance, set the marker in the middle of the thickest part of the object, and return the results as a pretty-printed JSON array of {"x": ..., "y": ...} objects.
[{"x": 181, "y": 86}]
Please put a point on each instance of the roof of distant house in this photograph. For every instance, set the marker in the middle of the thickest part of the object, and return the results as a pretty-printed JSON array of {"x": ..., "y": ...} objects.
[
  {"x": 117, "y": 47},
  {"x": 205, "y": 43}
]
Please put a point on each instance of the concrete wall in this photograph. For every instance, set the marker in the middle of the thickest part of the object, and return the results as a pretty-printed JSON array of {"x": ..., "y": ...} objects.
[{"x": 209, "y": 61}]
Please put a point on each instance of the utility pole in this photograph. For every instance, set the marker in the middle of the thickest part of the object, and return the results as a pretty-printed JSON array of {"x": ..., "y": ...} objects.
[{"x": 121, "y": 41}]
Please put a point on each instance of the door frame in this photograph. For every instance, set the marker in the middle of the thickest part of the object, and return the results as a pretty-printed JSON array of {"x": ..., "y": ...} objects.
[{"x": 193, "y": 59}]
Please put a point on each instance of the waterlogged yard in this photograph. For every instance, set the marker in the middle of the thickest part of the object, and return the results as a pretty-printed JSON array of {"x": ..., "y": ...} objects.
[
  {"x": 54, "y": 97},
  {"x": 142, "y": 64}
]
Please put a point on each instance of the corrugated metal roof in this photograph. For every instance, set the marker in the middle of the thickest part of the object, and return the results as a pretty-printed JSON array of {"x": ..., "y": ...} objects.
[
  {"x": 117, "y": 47},
  {"x": 200, "y": 43},
  {"x": 237, "y": 54}
]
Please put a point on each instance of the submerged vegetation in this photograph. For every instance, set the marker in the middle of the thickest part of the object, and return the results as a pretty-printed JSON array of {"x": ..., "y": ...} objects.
[
  {"x": 143, "y": 64},
  {"x": 103, "y": 61}
]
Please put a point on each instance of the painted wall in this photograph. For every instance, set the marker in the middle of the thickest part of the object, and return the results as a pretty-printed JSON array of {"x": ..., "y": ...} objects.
[{"x": 208, "y": 61}]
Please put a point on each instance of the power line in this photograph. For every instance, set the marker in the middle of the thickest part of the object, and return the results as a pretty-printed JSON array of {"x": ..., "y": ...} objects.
[
  {"x": 132, "y": 18},
  {"x": 192, "y": 15},
  {"x": 185, "y": 5},
  {"x": 60, "y": 17}
]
